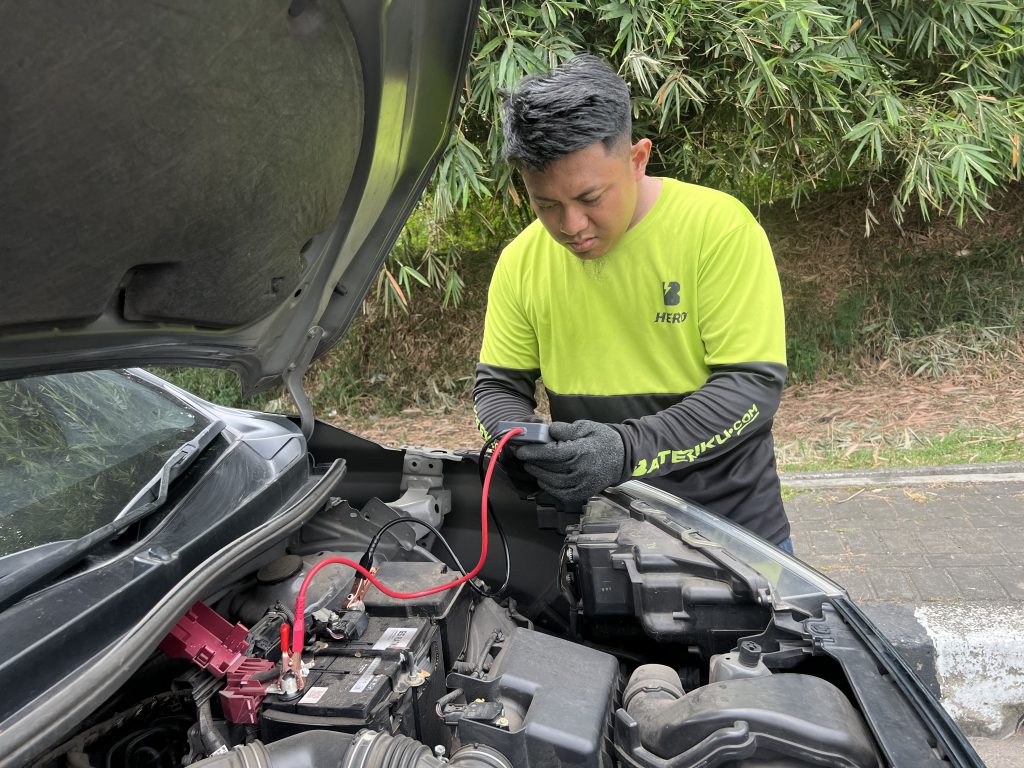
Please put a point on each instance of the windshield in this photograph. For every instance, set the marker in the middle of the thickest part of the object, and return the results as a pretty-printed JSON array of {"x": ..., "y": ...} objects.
[{"x": 77, "y": 447}]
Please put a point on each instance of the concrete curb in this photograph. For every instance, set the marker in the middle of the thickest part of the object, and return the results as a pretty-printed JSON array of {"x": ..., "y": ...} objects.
[
  {"x": 979, "y": 659},
  {"x": 971, "y": 656},
  {"x": 1004, "y": 472}
]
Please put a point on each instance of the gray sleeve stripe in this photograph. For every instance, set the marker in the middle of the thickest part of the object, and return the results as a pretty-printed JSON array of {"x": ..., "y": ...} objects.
[
  {"x": 502, "y": 394},
  {"x": 610, "y": 409}
]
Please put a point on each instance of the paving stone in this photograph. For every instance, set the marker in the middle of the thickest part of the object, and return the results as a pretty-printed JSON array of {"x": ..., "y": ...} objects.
[
  {"x": 853, "y": 515},
  {"x": 887, "y": 522},
  {"x": 809, "y": 528},
  {"x": 981, "y": 541},
  {"x": 968, "y": 559},
  {"x": 871, "y": 541},
  {"x": 920, "y": 544},
  {"x": 807, "y": 512},
  {"x": 991, "y": 520},
  {"x": 1007, "y": 504},
  {"x": 824, "y": 563},
  {"x": 1011, "y": 578},
  {"x": 939, "y": 542},
  {"x": 1000, "y": 753},
  {"x": 827, "y": 543},
  {"x": 1012, "y": 540},
  {"x": 934, "y": 584},
  {"x": 977, "y": 583},
  {"x": 899, "y": 560},
  {"x": 893, "y": 584},
  {"x": 944, "y": 515}
]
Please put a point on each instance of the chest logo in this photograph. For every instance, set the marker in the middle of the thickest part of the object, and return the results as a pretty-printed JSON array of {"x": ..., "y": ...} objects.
[{"x": 671, "y": 291}]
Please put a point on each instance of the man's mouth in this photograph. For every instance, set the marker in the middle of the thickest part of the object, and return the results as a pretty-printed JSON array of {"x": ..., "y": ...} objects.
[{"x": 583, "y": 245}]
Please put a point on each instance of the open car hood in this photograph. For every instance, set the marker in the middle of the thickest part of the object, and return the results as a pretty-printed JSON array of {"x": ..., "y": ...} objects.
[{"x": 211, "y": 184}]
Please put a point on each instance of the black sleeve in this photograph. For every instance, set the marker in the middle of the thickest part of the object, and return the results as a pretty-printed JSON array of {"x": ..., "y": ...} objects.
[
  {"x": 502, "y": 394},
  {"x": 737, "y": 402}
]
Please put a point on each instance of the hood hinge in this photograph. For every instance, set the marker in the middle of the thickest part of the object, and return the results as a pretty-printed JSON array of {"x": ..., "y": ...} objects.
[{"x": 293, "y": 378}]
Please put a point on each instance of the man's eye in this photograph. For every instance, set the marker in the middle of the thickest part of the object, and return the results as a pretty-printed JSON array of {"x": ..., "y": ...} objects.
[
  {"x": 545, "y": 206},
  {"x": 591, "y": 200}
]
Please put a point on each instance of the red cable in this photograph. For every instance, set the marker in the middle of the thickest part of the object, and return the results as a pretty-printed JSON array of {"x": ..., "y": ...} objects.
[{"x": 299, "y": 628}]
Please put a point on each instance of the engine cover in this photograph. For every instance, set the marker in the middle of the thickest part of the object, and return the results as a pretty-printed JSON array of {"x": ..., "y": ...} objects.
[{"x": 557, "y": 699}]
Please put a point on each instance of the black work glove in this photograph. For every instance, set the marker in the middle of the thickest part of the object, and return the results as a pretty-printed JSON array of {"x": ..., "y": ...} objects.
[{"x": 584, "y": 458}]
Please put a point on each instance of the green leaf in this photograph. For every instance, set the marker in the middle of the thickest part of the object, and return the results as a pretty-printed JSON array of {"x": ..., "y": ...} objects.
[{"x": 490, "y": 47}]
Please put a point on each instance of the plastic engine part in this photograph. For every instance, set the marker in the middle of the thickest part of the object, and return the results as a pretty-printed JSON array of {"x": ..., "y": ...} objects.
[
  {"x": 798, "y": 720},
  {"x": 556, "y": 698},
  {"x": 636, "y": 563},
  {"x": 206, "y": 638},
  {"x": 214, "y": 644}
]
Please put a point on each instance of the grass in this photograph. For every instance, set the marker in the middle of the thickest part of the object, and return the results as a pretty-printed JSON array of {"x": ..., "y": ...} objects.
[
  {"x": 789, "y": 492},
  {"x": 217, "y": 386},
  {"x": 962, "y": 447}
]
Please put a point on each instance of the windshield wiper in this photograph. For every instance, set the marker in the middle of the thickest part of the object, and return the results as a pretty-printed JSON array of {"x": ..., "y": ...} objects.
[
  {"x": 14, "y": 586},
  {"x": 179, "y": 461}
]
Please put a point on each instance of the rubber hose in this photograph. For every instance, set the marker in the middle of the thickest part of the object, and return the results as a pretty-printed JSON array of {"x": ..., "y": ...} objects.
[
  {"x": 367, "y": 749},
  {"x": 371, "y": 749},
  {"x": 651, "y": 686},
  {"x": 313, "y": 749},
  {"x": 208, "y": 733}
]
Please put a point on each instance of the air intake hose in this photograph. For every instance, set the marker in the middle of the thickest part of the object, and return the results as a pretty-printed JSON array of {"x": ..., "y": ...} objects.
[
  {"x": 367, "y": 749},
  {"x": 651, "y": 688},
  {"x": 792, "y": 718}
]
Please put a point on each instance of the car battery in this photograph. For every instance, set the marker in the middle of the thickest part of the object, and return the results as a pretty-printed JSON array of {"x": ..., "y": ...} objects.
[
  {"x": 390, "y": 677},
  {"x": 387, "y": 680},
  {"x": 449, "y": 610}
]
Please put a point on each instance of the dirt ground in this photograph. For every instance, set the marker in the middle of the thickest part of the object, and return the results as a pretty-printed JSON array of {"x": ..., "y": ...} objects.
[{"x": 815, "y": 420}]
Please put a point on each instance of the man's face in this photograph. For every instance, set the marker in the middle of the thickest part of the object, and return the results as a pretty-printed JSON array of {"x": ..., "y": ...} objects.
[{"x": 588, "y": 199}]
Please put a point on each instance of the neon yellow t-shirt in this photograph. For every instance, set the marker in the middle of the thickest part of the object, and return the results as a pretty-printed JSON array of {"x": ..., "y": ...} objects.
[{"x": 692, "y": 285}]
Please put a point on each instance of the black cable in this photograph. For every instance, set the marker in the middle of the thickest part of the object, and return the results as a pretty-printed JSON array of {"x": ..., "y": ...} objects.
[
  {"x": 497, "y": 521},
  {"x": 367, "y": 559}
]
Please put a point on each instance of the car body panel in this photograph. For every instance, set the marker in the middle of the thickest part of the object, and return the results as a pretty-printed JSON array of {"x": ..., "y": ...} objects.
[
  {"x": 235, "y": 490},
  {"x": 162, "y": 207}
]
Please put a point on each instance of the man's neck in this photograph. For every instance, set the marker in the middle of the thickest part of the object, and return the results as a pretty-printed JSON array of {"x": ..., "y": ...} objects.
[{"x": 647, "y": 195}]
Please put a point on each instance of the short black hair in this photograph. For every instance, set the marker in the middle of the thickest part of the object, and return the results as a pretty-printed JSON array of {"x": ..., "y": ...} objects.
[{"x": 551, "y": 114}]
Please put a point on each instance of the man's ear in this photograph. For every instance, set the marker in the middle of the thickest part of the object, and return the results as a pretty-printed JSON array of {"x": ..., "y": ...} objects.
[{"x": 639, "y": 154}]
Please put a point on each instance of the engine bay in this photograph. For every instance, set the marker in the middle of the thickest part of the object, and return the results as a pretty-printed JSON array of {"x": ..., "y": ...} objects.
[{"x": 649, "y": 646}]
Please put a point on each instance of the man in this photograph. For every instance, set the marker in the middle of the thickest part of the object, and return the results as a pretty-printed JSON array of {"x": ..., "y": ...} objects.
[{"x": 651, "y": 309}]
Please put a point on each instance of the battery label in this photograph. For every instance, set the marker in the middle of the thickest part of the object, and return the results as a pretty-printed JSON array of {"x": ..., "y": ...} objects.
[
  {"x": 395, "y": 637},
  {"x": 313, "y": 695},
  {"x": 367, "y": 677}
]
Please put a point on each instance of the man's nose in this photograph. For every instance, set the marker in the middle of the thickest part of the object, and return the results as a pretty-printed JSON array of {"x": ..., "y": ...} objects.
[{"x": 574, "y": 221}]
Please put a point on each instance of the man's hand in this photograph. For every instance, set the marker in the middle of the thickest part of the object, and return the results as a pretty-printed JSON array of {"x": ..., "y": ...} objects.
[
  {"x": 584, "y": 458},
  {"x": 524, "y": 483}
]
